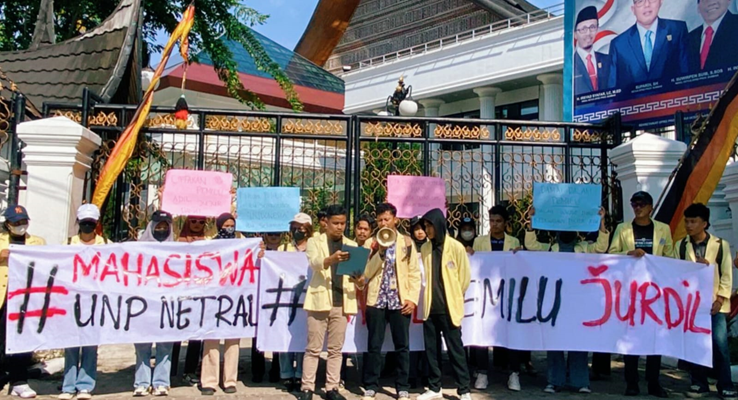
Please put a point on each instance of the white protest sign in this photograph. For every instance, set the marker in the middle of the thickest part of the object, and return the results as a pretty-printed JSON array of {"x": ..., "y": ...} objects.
[
  {"x": 283, "y": 321},
  {"x": 586, "y": 302},
  {"x": 72, "y": 296},
  {"x": 567, "y": 206}
]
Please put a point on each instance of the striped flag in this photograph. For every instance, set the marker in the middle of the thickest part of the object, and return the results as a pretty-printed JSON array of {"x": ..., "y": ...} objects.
[{"x": 704, "y": 162}]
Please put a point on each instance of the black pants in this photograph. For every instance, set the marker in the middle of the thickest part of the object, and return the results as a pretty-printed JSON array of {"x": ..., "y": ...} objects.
[
  {"x": 479, "y": 358},
  {"x": 653, "y": 369},
  {"x": 601, "y": 363},
  {"x": 432, "y": 329},
  {"x": 503, "y": 357},
  {"x": 258, "y": 365},
  {"x": 376, "y": 323},
  {"x": 16, "y": 365},
  {"x": 192, "y": 359}
]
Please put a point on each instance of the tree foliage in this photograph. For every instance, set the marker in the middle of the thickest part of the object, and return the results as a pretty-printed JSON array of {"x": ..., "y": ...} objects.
[{"x": 214, "y": 20}]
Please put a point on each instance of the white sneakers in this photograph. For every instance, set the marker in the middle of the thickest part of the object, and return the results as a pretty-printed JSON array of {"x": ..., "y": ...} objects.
[
  {"x": 66, "y": 396},
  {"x": 514, "y": 382},
  {"x": 23, "y": 391},
  {"x": 466, "y": 396},
  {"x": 431, "y": 395},
  {"x": 482, "y": 382}
]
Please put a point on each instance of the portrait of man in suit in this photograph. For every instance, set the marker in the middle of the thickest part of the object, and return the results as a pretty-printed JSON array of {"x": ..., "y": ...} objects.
[
  {"x": 592, "y": 70},
  {"x": 712, "y": 44},
  {"x": 652, "y": 49}
]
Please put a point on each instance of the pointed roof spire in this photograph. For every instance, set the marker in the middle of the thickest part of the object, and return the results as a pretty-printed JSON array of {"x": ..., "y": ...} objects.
[{"x": 44, "y": 33}]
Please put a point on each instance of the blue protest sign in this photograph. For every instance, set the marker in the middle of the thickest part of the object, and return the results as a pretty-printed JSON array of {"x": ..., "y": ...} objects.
[
  {"x": 566, "y": 206},
  {"x": 267, "y": 209}
]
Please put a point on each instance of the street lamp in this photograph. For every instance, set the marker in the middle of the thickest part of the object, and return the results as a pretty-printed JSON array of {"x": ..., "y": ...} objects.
[{"x": 401, "y": 101}]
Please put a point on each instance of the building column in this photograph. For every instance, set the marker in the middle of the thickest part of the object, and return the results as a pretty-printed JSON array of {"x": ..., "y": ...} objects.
[
  {"x": 487, "y": 106},
  {"x": 551, "y": 96},
  {"x": 487, "y": 97},
  {"x": 56, "y": 157},
  {"x": 645, "y": 163}
]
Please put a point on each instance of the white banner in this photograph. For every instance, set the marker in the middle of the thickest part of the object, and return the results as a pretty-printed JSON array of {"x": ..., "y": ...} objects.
[
  {"x": 283, "y": 321},
  {"x": 603, "y": 303},
  {"x": 69, "y": 296}
]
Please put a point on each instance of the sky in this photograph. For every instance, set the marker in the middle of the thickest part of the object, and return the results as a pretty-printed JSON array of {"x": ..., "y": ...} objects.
[{"x": 288, "y": 19}]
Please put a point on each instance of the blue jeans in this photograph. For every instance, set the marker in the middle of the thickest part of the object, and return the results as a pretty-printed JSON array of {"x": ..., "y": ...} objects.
[
  {"x": 577, "y": 365},
  {"x": 79, "y": 372},
  {"x": 290, "y": 365},
  {"x": 720, "y": 357},
  {"x": 162, "y": 368}
]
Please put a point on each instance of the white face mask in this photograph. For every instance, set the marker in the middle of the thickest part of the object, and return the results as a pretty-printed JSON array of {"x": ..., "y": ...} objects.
[
  {"x": 467, "y": 235},
  {"x": 19, "y": 230}
]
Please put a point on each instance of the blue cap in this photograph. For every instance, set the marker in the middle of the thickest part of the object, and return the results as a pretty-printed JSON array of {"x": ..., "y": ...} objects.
[{"x": 16, "y": 213}]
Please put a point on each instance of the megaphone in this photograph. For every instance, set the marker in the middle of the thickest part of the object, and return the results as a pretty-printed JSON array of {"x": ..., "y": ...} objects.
[{"x": 386, "y": 237}]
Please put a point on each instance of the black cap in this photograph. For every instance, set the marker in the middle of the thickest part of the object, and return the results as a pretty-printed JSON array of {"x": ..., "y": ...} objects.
[
  {"x": 161, "y": 216},
  {"x": 466, "y": 221},
  {"x": 642, "y": 197},
  {"x": 416, "y": 220},
  {"x": 586, "y": 13}
]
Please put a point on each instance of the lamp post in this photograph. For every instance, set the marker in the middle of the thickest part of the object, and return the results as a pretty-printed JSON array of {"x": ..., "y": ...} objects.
[{"x": 401, "y": 102}]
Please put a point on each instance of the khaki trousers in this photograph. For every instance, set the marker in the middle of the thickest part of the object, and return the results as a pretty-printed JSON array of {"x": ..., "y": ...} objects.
[
  {"x": 210, "y": 376},
  {"x": 334, "y": 322}
]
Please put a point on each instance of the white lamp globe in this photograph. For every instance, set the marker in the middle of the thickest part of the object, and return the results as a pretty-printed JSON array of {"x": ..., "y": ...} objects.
[{"x": 408, "y": 108}]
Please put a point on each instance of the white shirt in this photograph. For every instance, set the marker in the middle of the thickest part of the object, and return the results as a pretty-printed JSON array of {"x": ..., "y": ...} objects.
[
  {"x": 583, "y": 55},
  {"x": 714, "y": 26},
  {"x": 642, "y": 33}
]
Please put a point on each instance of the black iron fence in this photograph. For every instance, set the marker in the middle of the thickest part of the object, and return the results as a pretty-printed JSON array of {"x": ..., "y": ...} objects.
[{"x": 346, "y": 159}]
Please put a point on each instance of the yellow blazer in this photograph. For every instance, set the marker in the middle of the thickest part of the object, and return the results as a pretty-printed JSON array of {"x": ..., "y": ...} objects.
[
  {"x": 723, "y": 283},
  {"x": 368, "y": 243},
  {"x": 406, "y": 268},
  {"x": 623, "y": 240},
  {"x": 600, "y": 246},
  {"x": 75, "y": 240},
  {"x": 482, "y": 243},
  {"x": 319, "y": 295},
  {"x": 5, "y": 244},
  {"x": 456, "y": 275}
]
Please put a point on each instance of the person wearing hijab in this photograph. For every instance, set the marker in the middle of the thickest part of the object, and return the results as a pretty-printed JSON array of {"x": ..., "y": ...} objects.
[
  {"x": 417, "y": 232},
  {"x": 210, "y": 374},
  {"x": 15, "y": 232},
  {"x": 158, "y": 381},
  {"x": 448, "y": 276}
]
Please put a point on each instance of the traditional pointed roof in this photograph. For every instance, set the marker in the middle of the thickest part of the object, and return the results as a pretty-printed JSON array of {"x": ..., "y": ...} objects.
[{"x": 99, "y": 59}]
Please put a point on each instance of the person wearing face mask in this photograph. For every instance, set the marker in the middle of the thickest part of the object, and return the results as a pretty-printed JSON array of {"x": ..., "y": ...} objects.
[
  {"x": 80, "y": 364},
  {"x": 16, "y": 365},
  {"x": 210, "y": 374},
  {"x": 157, "y": 383},
  {"x": 467, "y": 233},
  {"x": 568, "y": 242},
  {"x": 270, "y": 242}
]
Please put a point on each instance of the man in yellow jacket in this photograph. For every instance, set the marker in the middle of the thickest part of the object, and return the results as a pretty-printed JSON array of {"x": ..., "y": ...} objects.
[
  {"x": 701, "y": 247},
  {"x": 330, "y": 299},
  {"x": 393, "y": 278},
  {"x": 16, "y": 227},
  {"x": 637, "y": 238},
  {"x": 447, "y": 277}
]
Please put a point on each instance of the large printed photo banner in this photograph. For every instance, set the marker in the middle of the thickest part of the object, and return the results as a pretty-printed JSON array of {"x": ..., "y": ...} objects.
[
  {"x": 283, "y": 321},
  {"x": 683, "y": 65},
  {"x": 71, "y": 296},
  {"x": 604, "y": 303}
]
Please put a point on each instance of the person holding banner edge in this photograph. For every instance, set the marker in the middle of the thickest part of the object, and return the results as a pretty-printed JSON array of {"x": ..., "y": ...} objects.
[
  {"x": 637, "y": 238},
  {"x": 393, "y": 290},
  {"x": 701, "y": 247},
  {"x": 577, "y": 363},
  {"x": 447, "y": 278},
  {"x": 80, "y": 364},
  {"x": 270, "y": 242},
  {"x": 330, "y": 299}
]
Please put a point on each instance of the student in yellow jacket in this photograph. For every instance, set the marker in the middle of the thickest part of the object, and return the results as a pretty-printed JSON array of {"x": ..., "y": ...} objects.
[
  {"x": 701, "y": 247},
  {"x": 393, "y": 278},
  {"x": 16, "y": 227},
  {"x": 330, "y": 299},
  {"x": 447, "y": 278},
  {"x": 637, "y": 238}
]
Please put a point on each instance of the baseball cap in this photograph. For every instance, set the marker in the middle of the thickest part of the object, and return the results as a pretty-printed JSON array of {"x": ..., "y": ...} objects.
[
  {"x": 161, "y": 216},
  {"x": 88, "y": 212},
  {"x": 642, "y": 197},
  {"x": 302, "y": 218},
  {"x": 16, "y": 213}
]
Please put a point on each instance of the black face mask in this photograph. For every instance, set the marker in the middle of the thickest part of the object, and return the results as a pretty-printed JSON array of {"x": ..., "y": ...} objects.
[
  {"x": 87, "y": 227},
  {"x": 298, "y": 235},
  {"x": 160, "y": 235}
]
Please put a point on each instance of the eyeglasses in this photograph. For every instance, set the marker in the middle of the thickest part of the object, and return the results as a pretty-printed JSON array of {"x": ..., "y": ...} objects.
[
  {"x": 641, "y": 3},
  {"x": 197, "y": 221},
  {"x": 591, "y": 29},
  {"x": 638, "y": 205}
]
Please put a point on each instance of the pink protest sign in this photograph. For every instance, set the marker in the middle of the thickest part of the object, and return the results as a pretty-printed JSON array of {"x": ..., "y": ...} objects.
[
  {"x": 200, "y": 193},
  {"x": 416, "y": 195}
]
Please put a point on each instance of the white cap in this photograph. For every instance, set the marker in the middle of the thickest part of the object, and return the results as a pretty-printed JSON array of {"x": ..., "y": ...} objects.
[
  {"x": 88, "y": 211},
  {"x": 302, "y": 218}
]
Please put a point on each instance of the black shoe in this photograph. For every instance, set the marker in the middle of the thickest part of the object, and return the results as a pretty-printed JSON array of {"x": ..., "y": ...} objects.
[
  {"x": 728, "y": 394},
  {"x": 334, "y": 395},
  {"x": 632, "y": 390},
  {"x": 413, "y": 383},
  {"x": 230, "y": 390},
  {"x": 207, "y": 391},
  {"x": 296, "y": 383},
  {"x": 257, "y": 379},
  {"x": 657, "y": 391},
  {"x": 289, "y": 384},
  {"x": 305, "y": 395}
]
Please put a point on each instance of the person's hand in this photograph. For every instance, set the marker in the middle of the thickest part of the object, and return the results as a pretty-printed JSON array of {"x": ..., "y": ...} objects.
[
  {"x": 408, "y": 307},
  {"x": 337, "y": 257},
  {"x": 261, "y": 254},
  {"x": 637, "y": 253},
  {"x": 4, "y": 254},
  {"x": 517, "y": 249},
  {"x": 358, "y": 280},
  {"x": 702, "y": 261},
  {"x": 469, "y": 250},
  {"x": 602, "y": 213},
  {"x": 531, "y": 212},
  {"x": 716, "y": 306}
]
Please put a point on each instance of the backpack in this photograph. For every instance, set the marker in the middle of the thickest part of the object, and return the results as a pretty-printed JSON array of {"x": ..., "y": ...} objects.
[{"x": 718, "y": 260}]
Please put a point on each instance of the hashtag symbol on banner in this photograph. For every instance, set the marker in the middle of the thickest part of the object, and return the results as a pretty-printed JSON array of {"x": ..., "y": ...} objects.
[
  {"x": 295, "y": 294},
  {"x": 46, "y": 310}
]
